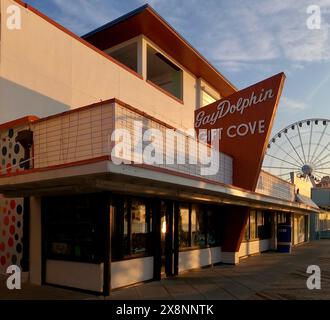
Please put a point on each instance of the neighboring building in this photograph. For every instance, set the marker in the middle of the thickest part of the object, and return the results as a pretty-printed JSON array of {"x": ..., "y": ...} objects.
[
  {"x": 69, "y": 215},
  {"x": 321, "y": 196},
  {"x": 324, "y": 183}
]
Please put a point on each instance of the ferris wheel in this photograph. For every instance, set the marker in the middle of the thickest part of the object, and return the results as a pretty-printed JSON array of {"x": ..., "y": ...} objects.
[{"x": 302, "y": 148}]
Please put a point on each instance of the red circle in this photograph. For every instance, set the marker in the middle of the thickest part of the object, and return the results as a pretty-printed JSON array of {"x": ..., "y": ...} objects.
[
  {"x": 12, "y": 204},
  {"x": 3, "y": 260},
  {"x": 12, "y": 230},
  {"x": 13, "y": 218},
  {"x": 10, "y": 242},
  {"x": 2, "y": 246},
  {"x": 8, "y": 167},
  {"x": 6, "y": 220}
]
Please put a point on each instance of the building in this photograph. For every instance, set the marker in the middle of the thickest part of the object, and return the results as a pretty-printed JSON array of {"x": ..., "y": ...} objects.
[
  {"x": 321, "y": 196},
  {"x": 72, "y": 217},
  {"x": 324, "y": 183}
]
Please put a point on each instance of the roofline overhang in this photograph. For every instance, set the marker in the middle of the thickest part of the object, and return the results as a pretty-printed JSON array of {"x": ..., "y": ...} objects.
[
  {"x": 171, "y": 30},
  {"x": 105, "y": 175}
]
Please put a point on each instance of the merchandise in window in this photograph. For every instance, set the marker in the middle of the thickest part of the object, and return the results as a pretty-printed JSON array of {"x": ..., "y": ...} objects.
[
  {"x": 131, "y": 229},
  {"x": 72, "y": 227},
  {"x": 184, "y": 222},
  {"x": 253, "y": 221},
  {"x": 198, "y": 227}
]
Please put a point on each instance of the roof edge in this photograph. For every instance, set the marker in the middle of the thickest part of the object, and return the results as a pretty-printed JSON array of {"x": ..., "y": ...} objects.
[
  {"x": 149, "y": 8},
  {"x": 117, "y": 20}
]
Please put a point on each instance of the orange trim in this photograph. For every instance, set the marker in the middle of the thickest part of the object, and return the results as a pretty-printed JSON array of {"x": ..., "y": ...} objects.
[
  {"x": 18, "y": 122},
  {"x": 73, "y": 35},
  {"x": 164, "y": 91},
  {"x": 58, "y": 166}
]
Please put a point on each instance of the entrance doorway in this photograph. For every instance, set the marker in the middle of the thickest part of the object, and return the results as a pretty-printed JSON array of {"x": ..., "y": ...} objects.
[{"x": 166, "y": 248}]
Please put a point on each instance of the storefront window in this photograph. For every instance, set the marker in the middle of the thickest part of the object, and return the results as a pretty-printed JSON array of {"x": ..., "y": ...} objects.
[
  {"x": 213, "y": 230},
  {"x": 72, "y": 227},
  {"x": 247, "y": 229},
  {"x": 197, "y": 227},
  {"x": 126, "y": 234},
  {"x": 260, "y": 224},
  {"x": 140, "y": 226},
  {"x": 253, "y": 221},
  {"x": 131, "y": 230},
  {"x": 184, "y": 234}
]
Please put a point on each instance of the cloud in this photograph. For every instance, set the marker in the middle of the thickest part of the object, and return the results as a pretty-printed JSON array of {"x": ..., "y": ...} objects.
[
  {"x": 82, "y": 16},
  {"x": 292, "y": 104},
  {"x": 266, "y": 31}
]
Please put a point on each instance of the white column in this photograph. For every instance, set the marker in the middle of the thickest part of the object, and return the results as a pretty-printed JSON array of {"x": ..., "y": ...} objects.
[
  {"x": 142, "y": 57},
  {"x": 35, "y": 240}
]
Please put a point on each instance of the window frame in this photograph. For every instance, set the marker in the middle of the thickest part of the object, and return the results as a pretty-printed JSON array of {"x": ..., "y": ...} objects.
[
  {"x": 171, "y": 63},
  {"x": 136, "y": 40},
  {"x": 204, "y": 210},
  {"x": 119, "y": 236},
  {"x": 258, "y": 237}
]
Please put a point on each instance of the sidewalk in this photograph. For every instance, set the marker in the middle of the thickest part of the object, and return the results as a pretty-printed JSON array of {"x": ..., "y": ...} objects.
[{"x": 267, "y": 276}]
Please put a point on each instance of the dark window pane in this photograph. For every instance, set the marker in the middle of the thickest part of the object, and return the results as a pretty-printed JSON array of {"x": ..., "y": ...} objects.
[
  {"x": 247, "y": 229},
  {"x": 126, "y": 55},
  {"x": 213, "y": 228},
  {"x": 72, "y": 225},
  {"x": 197, "y": 227},
  {"x": 126, "y": 235},
  {"x": 184, "y": 237},
  {"x": 253, "y": 230},
  {"x": 164, "y": 73},
  {"x": 140, "y": 227}
]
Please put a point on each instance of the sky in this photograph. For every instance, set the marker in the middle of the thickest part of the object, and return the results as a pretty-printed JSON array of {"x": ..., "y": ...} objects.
[{"x": 246, "y": 40}]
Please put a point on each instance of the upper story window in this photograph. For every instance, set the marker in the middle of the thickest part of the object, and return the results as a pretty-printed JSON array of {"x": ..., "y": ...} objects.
[
  {"x": 163, "y": 73},
  {"x": 127, "y": 55}
]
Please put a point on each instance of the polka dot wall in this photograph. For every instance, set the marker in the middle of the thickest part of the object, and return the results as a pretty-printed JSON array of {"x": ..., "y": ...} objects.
[{"x": 11, "y": 210}]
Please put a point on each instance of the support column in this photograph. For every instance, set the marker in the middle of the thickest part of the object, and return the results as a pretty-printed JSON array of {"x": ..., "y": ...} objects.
[
  {"x": 35, "y": 241},
  {"x": 233, "y": 223},
  {"x": 274, "y": 231},
  {"x": 142, "y": 57}
]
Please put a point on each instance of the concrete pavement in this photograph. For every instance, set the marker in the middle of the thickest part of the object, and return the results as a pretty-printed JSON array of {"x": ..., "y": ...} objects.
[{"x": 267, "y": 276}]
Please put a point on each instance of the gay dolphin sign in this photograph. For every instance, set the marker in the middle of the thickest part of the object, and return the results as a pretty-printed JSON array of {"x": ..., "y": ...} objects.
[{"x": 245, "y": 121}]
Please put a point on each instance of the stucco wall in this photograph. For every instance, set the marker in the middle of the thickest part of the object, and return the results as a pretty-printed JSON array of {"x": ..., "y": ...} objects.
[
  {"x": 45, "y": 71},
  {"x": 193, "y": 259},
  {"x": 76, "y": 275},
  {"x": 253, "y": 247}
]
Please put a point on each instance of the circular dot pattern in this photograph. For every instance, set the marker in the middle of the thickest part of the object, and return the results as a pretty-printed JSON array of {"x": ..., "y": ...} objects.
[{"x": 11, "y": 210}]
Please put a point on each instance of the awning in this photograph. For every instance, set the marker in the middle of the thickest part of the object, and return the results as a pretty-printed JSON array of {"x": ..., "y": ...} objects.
[
  {"x": 105, "y": 176},
  {"x": 307, "y": 201}
]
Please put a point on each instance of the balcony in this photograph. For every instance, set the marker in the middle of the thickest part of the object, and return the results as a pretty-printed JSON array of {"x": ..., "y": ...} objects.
[
  {"x": 273, "y": 186},
  {"x": 86, "y": 134}
]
